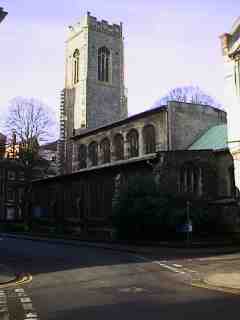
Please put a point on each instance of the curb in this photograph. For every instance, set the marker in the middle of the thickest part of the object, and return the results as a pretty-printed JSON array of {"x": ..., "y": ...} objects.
[
  {"x": 82, "y": 243},
  {"x": 204, "y": 284},
  {"x": 19, "y": 280}
]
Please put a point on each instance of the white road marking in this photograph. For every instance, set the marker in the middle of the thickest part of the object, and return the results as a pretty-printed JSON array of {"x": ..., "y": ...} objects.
[
  {"x": 191, "y": 270},
  {"x": 19, "y": 290},
  {"x": 177, "y": 265},
  {"x": 27, "y": 305},
  {"x": 31, "y": 315},
  {"x": 25, "y": 299},
  {"x": 163, "y": 263},
  {"x": 169, "y": 267},
  {"x": 4, "y": 314}
]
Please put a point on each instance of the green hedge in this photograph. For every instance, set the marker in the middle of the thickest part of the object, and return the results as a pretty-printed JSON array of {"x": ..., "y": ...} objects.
[{"x": 144, "y": 212}]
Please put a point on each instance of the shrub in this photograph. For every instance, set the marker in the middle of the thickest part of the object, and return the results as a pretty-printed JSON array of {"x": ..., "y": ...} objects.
[{"x": 144, "y": 212}]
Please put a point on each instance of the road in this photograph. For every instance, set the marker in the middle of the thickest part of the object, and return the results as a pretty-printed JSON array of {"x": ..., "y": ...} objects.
[{"x": 91, "y": 283}]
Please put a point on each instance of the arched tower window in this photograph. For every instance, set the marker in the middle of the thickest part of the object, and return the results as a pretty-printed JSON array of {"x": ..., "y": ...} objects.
[
  {"x": 93, "y": 153},
  {"x": 133, "y": 144},
  {"x": 149, "y": 139},
  {"x": 105, "y": 150},
  {"x": 82, "y": 156},
  {"x": 103, "y": 64},
  {"x": 118, "y": 147},
  {"x": 76, "y": 66}
]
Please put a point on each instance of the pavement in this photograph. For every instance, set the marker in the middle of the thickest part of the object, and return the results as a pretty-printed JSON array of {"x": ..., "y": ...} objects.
[
  {"x": 6, "y": 275},
  {"x": 217, "y": 267}
]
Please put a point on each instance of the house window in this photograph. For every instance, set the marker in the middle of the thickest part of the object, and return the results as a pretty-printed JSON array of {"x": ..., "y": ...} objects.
[
  {"x": 20, "y": 194},
  {"x": 103, "y": 64},
  {"x": 190, "y": 180},
  {"x": 93, "y": 153},
  {"x": 118, "y": 147},
  {"x": 76, "y": 66},
  {"x": 10, "y": 195},
  {"x": 10, "y": 213},
  {"x": 133, "y": 144},
  {"x": 149, "y": 139},
  {"x": 82, "y": 156},
  {"x": 11, "y": 175},
  {"x": 105, "y": 150},
  {"x": 21, "y": 175}
]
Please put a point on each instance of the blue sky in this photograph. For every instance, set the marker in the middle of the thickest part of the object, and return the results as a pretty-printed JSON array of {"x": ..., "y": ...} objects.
[{"x": 167, "y": 44}]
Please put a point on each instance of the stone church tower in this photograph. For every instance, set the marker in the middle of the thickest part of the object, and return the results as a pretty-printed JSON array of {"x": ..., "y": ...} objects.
[{"x": 94, "y": 93}]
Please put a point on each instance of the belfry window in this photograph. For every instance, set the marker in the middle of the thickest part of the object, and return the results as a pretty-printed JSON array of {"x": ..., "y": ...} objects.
[
  {"x": 103, "y": 64},
  {"x": 149, "y": 139},
  {"x": 133, "y": 144},
  {"x": 76, "y": 66}
]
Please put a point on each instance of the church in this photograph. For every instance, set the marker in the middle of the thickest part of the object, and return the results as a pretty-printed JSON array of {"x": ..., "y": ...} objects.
[{"x": 183, "y": 145}]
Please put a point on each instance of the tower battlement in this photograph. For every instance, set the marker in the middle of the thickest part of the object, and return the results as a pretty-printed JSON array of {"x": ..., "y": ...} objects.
[{"x": 94, "y": 24}]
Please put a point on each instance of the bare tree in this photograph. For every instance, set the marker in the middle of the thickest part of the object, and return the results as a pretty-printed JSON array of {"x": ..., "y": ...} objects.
[
  {"x": 189, "y": 94},
  {"x": 29, "y": 122}
]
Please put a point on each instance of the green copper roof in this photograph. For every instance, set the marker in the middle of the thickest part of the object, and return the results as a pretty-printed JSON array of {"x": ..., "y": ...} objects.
[{"x": 214, "y": 138}]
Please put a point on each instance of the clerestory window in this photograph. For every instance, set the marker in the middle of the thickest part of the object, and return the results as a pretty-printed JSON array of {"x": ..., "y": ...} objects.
[
  {"x": 133, "y": 144},
  {"x": 105, "y": 150},
  {"x": 82, "y": 156},
  {"x": 149, "y": 139},
  {"x": 118, "y": 147},
  {"x": 93, "y": 153}
]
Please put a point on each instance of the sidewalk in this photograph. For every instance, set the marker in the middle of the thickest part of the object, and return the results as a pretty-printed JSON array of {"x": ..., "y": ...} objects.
[
  {"x": 6, "y": 275},
  {"x": 224, "y": 280}
]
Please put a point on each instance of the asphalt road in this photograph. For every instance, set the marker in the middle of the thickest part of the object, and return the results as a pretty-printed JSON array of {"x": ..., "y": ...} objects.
[{"x": 90, "y": 283}]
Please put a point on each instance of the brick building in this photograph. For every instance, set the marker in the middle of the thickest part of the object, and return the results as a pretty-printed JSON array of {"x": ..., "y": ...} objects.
[{"x": 12, "y": 186}]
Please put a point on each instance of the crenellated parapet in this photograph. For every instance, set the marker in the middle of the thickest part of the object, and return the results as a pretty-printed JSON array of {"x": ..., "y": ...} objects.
[
  {"x": 104, "y": 26},
  {"x": 94, "y": 24}
]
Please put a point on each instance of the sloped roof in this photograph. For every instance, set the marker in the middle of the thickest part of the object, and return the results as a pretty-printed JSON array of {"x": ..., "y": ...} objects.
[
  {"x": 214, "y": 138},
  {"x": 49, "y": 146},
  {"x": 2, "y": 136}
]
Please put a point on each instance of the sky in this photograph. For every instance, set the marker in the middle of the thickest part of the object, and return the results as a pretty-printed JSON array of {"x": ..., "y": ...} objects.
[{"x": 167, "y": 44}]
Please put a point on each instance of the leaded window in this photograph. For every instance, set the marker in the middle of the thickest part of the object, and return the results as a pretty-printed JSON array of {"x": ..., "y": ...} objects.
[
  {"x": 133, "y": 144},
  {"x": 190, "y": 179},
  {"x": 149, "y": 139},
  {"x": 104, "y": 64}
]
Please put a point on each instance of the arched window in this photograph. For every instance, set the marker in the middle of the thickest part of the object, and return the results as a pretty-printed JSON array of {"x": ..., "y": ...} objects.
[
  {"x": 82, "y": 156},
  {"x": 93, "y": 153},
  {"x": 118, "y": 147},
  {"x": 133, "y": 145},
  {"x": 103, "y": 64},
  {"x": 149, "y": 139},
  {"x": 105, "y": 150},
  {"x": 76, "y": 66},
  {"x": 190, "y": 179}
]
